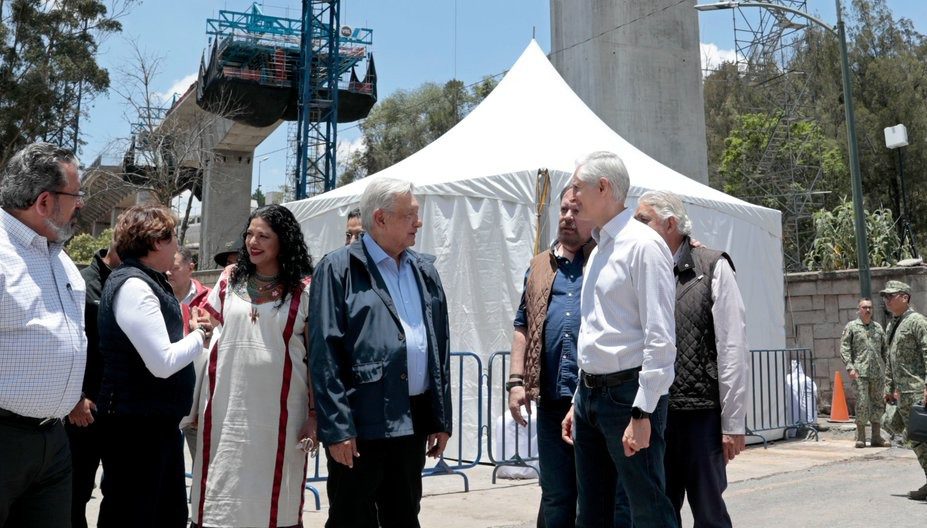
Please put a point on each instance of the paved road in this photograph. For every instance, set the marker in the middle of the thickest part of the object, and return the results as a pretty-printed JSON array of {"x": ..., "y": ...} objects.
[
  {"x": 868, "y": 492},
  {"x": 801, "y": 484},
  {"x": 864, "y": 492}
]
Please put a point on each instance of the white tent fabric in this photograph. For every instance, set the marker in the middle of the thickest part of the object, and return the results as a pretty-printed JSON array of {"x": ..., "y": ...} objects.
[{"x": 476, "y": 187}]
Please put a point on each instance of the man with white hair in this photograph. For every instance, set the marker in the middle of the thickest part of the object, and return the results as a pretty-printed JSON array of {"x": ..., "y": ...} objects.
[
  {"x": 708, "y": 399},
  {"x": 379, "y": 359},
  {"x": 626, "y": 349}
]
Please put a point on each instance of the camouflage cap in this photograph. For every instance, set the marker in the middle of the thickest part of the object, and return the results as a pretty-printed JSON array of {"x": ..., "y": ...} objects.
[
  {"x": 894, "y": 286},
  {"x": 230, "y": 247}
]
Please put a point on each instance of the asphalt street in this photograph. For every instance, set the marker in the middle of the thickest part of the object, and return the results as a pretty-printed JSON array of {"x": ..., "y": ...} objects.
[{"x": 797, "y": 483}]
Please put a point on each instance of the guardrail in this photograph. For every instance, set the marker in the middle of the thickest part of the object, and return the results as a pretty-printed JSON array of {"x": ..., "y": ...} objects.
[
  {"x": 462, "y": 363},
  {"x": 784, "y": 394},
  {"x": 498, "y": 371}
]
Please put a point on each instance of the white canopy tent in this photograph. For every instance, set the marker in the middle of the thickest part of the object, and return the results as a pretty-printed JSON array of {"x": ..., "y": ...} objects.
[{"x": 477, "y": 189}]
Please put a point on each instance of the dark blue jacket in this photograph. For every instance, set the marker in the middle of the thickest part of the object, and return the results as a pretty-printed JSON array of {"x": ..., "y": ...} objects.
[
  {"x": 357, "y": 354},
  {"x": 128, "y": 387}
]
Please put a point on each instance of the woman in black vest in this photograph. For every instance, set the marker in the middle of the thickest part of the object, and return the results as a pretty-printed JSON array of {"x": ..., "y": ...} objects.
[{"x": 148, "y": 376}]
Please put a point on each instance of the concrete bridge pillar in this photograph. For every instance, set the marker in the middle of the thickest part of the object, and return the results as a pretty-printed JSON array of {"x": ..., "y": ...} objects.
[
  {"x": 226, "y": 201},
  {"x": 643, "y": 79}
]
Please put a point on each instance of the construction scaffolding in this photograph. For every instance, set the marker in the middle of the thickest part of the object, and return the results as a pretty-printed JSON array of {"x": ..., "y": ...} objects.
[
  {"x": 329, "y": 52},
  {"x": 262, "y": 69},
  {"x": 767, "y": 43}
]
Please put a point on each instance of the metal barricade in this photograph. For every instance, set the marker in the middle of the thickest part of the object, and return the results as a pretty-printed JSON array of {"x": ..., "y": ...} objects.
[
  {"x": 496, "y": 378},
  {"x": 772, "y": 373},
  {"x": 459, "y": 363}
]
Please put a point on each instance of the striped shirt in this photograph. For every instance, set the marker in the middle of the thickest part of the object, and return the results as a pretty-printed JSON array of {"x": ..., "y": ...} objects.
[{"x": 43, "y": 348}]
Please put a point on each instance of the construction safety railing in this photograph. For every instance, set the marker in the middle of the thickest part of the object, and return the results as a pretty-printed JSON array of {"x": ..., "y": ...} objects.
[
  {"x": 515, "y": 449},
  {"x": 467, "y": 380},
  {"x": 467, "y": 386},
  {"x": 784, "y": 396}
]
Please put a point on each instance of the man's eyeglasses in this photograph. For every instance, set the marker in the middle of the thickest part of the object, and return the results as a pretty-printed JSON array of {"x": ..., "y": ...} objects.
[
  {"x": 351, "y": 237},
  {"x": 79, "y": 194}
]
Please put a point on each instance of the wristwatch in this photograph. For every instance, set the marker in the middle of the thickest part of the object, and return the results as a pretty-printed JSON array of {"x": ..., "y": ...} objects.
[
  {"x": 639, "y": 414},
  {"x": 510, "y": 384}
]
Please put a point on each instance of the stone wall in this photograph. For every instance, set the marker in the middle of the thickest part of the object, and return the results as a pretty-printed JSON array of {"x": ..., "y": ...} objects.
[{"x": 819, "y": 304}]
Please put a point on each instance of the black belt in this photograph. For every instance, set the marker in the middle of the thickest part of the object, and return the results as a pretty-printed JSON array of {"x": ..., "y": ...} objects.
[
  {"x": 596, "y": 381},
  {"x": 27, "y": 421}
]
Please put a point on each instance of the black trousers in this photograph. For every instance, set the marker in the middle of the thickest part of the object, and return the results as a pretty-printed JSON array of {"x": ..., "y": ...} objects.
[
  {"x": 144, "y": 486},
  {"x": 35, "y": 476},
  {"x": 86, "y": 450},
  {"x": 694, "y": 464},
  {"x": 384, "y": 489}
]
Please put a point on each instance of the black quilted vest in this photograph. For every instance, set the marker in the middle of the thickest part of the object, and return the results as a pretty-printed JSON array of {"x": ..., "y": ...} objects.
[
  {"x": 696, "y": 384},
  {"x": 128, "y": 387}
]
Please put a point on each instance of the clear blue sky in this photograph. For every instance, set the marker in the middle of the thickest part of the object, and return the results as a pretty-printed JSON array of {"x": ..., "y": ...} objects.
[{"x": 415, "y": 41}]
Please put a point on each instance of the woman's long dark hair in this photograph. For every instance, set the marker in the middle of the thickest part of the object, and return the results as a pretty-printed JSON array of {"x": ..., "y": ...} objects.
[{"x": 295, "y": 262}]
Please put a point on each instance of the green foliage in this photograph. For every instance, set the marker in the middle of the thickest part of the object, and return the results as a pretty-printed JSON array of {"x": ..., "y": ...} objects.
[
  {"x": 407, "y": 121},
  {"x": 834, "y": 244},
  {"x": 82, "y": 247},
  {"x": 805, "y": 146},
  {"x": 48, "y": 67},
  {"x": 259, "y": 197},
  {"x": 889, "y": 82}
]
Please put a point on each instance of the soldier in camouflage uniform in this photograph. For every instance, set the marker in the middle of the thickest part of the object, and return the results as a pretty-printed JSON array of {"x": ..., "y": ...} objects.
[
  {"x": 907, "y": 363},
  {"x": 862, "y": 348}
]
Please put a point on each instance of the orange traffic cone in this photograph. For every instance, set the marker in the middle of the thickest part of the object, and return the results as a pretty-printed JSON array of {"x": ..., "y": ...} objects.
[{"x": 838, "y": 404}]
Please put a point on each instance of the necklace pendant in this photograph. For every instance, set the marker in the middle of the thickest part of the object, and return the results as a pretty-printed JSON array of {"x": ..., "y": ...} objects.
[{"x": 254, "y": 314}]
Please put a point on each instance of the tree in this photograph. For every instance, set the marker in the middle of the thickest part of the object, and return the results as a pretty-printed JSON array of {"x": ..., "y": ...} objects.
[
  {"x": 48, "y": 67},
  {"x": 83, "y": 247},
  {"x": 888, "y": 61},
  {"x": 407, "y": 121},
  {"x": 167, "y": 152},
  {"x": 761, "y": 150},
  {"x": 259, "y": 197}
]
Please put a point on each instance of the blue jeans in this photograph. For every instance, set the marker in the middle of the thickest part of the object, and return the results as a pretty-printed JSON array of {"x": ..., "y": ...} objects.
[
  {"x": 558, "y": 469},
  {"x": 600, "y": 418}
]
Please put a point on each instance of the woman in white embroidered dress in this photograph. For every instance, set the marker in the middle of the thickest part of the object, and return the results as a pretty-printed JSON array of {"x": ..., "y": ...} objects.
[{"x": 255, "y": 407}]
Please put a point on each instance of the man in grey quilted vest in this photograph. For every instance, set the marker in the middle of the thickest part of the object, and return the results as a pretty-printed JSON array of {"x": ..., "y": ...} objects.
[{"x": 708, "y": 399}]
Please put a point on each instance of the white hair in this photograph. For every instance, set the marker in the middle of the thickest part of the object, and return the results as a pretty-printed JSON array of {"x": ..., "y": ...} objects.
[
  {"x": 608, "y": 165},
  {"x": 381, "y": 193},
  {"x": 666, "y": 205}
]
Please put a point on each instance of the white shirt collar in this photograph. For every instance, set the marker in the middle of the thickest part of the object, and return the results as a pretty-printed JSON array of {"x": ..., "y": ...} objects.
[
  {"x": 615, "y": 225},
  {"x": 25, "y": 235}
]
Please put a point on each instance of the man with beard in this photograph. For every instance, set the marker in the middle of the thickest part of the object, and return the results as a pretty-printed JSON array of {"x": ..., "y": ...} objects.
[
  {"x": 42, "y": 343},
  {"x": 544, "y": 357}
]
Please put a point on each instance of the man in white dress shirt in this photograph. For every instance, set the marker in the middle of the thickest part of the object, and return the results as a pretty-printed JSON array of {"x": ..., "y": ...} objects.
[
  {"x": 43, "y": 348},
  {"x": 626, "y": 350},
  {"x": 708, "y": 401}
]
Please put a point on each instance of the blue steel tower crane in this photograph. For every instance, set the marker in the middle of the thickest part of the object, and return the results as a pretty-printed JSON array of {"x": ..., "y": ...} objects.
[
  {"x": 263, "y": 68},
  {"x": 328, "y": 52}
]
